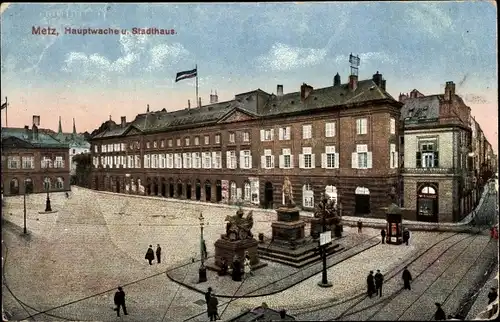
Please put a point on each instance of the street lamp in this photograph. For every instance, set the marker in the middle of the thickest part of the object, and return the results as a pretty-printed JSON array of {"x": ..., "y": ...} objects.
[
  {"x": 47, "y": 202},
  {"x": 324, "y": 240},
  {"x": 25, "y": 184},
  {"x": 202, "y": 272}
]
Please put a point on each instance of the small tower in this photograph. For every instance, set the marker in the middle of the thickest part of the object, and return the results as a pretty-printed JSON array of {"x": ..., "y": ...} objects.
[
  {"x": 59, "y": 131},
  {"x": 336, "y": 80},
  {"x": 147, "y": 111}
]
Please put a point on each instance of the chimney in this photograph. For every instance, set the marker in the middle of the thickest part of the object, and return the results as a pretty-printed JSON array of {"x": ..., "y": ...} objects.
[
  {"x": 305, "y": 91},
  {"x": 124, "y": 121},
  {"x": 35, "y": 132},
  {"x": 36, "y": 120},
  {"x": 336, "y": 80},
  {"x": 189, "y": 104},
  {"x": 353, "y": 82},
  {"x": 377, "y": 79},
  {"x": 213, "y": 98},
  {"x": 402, "y": 97},
  {"x": 382, "y": 85},
  {"x": 449, "y": 90},
  {"x": 199, "y": 101},
  {"x": 279, "y": 91}
]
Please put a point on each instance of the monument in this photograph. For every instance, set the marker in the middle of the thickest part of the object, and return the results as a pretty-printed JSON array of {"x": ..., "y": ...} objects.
[
  {"x": 332, "y": 219},
  {"x": 236, "y": 242},
  {"x": 288, "y": 244}
]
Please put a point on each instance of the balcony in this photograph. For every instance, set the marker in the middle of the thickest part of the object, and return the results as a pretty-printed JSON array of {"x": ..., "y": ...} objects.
[{"x": 426, "y": 171}]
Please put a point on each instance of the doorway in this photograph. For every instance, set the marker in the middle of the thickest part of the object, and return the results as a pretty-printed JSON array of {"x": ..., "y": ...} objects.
[
  {"x": 362, "y": 201},
  {"x": 198, "y": 190},
  {"x": 188, "y": 191},
  {"x": 179, "y": 189},
  {"x": 268, "y": 195},
  {"x": 218, "y": 191},
  {"x": 208, "y": 191}
]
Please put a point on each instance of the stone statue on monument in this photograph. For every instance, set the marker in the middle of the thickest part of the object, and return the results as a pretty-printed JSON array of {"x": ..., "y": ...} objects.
[
  {"x": 288, "y": 192},
  {"x": 238, "y": 227}
]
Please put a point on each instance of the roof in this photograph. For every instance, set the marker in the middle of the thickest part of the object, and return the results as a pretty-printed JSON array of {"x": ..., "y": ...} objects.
[
  {"x": 261, "y": 314},
  {"x": 257, "y": 104},
  {"x": 421, "y": 108},
  {"x": 44, "y": 140}
]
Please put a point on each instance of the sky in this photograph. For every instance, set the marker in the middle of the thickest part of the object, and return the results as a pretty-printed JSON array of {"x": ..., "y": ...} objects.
[{"x": 238, "y": 47}]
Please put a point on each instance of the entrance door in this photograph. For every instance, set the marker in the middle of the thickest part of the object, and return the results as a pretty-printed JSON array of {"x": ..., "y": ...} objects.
[
  {"x": 29, "y": 186},
  {"x": 198, "y": 190},
  {"x": 188, "y": 191},
  {"x": 118, "y": 186},
  {"x": 218, "y": 192},
  {"x": 163, "y": 189},
  {"x": 362, "y": 201},
  {"x": 179, "y": 190},
  {"x": 427, "y": 204},
  {"x": 14, "y": 186},
  {"x": 268, "y": 195},
  {"x": 171, "y": 189},
  {"x": 155, "y": 188},
  {"x": 208, "y": 191}
]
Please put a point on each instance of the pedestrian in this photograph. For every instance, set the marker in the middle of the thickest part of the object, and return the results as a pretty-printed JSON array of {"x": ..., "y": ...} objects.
[
  {"x": 370, "y": 281},
  {"x": 492, "y": 295},
  {"x": 382, "y": 233},
  {"x": 379, "y": 280},
  {"x": 158, "y": 253},
  {"x": 247, "y": 266},
  {"x": 120, "y": 301},
  {"x": 360, "y": 226},
  {"x": 406, "y": 236},
  {"x": 236, "y": 273},
  {"x": 223, "y": 268},
  {"x": 407, "y": 278},
  {"x": 150, "y": 255},
  {"x": 67, "y": 195},
  {"x": 213, "y": 303},
  {"x": 439, "y": 315},
  {"x": 208, "y": 294}
]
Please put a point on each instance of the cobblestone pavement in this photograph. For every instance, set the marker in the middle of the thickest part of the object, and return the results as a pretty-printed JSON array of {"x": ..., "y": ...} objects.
[{"x": 73, "y": 260}]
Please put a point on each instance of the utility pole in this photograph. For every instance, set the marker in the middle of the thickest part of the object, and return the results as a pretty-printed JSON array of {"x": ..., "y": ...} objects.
[
  {"x": 324, "y": 240},
  {"x": 25, "y": 230}
]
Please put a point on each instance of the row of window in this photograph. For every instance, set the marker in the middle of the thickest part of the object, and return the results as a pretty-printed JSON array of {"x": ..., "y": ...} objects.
[
  {"x": 28, "y": 162},
  {"x": 284, "y": 133},
  {"x": 361, "y": 159},
  {"x": 28, "y": 182}
]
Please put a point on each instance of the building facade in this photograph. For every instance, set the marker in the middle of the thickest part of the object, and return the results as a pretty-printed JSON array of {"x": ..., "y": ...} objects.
[
  {"x": 440, "y": 156},
  {"x": 339, "y": 140},
  {"x": 33, "y": 162}
]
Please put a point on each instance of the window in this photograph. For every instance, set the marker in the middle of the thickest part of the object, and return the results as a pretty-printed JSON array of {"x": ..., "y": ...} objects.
[
  {"x": 267, "y": 135},
  {"x": 137, "y": 161},
  {"x": 186, "y": 141},
  {"x": 267, "y": 160},
  {"x": 232, "y": 138},
  {"x": 307, "y": 131},
  {"x": 286, "y": 160},
  {"x": 47, "y": 162},
  {"x": 15, "y": 162},
  {"x": 307, "y": 196},
  {"x": 177, "y": 161},
  {"x": 163, "y": 161},
  {"x": 59, "y": 162},
  {"x": 427, "y": 156},
  {"x": 162, "y": 143},
  {"x": 216, "y": 160},
  {"x": 147, "y": 161},
  {"x": 329, "y": 159},
  {"x": 246, "y": 137},
  {"x": 207, "y": 139},
  {"x": 284, "y": 133},
  {"x": 306, "y": 159},
  {"x": 155, "y": 161},
  {"x": 178, "y": 142},
  {"x": 130, "y": 161},
  {"x": 361, "y": 126},
  {"x": 245, "y": 159},
  {"x": 187, "y": 161},
  {"x": 393, "y": 125},
  {"x": 196, "y": 160},
  {"x": 393, "y": 157},
  {"x": 207, "y": 160},
  {"x": 96, "y": 149},
  {"x": 217, "y": 139},
  {"x": 103, "y": 149},
  {"x": 170, "y": 161},
  {"x": 231, "y": 159},
  {"x": 361, "y": 159},
  {"x": 147, "y": 145},
  {"x": 247, "y": 193},
  {"x": 330, "y": 129},
  {"x": 196, "y": 140},
  {"x": 60, "y": 183},
  {"x": 28, "y": 162},
  {"x": 124, "y": 146},
  {"x": 170, "y": 143},
  {"x": 155, "y": 144},
  {"x": 73, "y": 151}
]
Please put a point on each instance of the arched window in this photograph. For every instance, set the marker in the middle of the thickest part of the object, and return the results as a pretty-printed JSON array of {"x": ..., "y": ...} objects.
[
  {"x": 14, "y": 186},
  {"x": 47, "y": 184},
  {"x": 427, "y": 190},
  {"x": 247, "y": 193},
  {"x": 60, "y": 183},
  {"x": 233, "y": 191},
  {"x": 28, "y": 185},
  {"x": 307, "y": 196}
]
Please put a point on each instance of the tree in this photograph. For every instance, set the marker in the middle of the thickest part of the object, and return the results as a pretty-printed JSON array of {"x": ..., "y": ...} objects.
[{"x": 83, "y": 168}]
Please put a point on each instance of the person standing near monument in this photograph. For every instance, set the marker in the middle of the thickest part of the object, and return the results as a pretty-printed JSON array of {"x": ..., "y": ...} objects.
[
  {"x": 236, "y": 273},
  {"x": 248, "y": 267},
  {"x": 150, "y": 255},
  {"x": 158, "y": 254}
]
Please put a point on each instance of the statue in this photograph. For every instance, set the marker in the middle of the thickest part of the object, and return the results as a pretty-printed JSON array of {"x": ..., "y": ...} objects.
[
  {"x": 239, "y": 228},
  {"x": 287, "y": 192},
  {"x": 327, "y": 208}
]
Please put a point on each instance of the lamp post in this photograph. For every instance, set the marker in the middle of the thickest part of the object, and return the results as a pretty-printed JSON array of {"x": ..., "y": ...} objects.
[
  {"x": 47, "y": 202},
  {"x": 24, "y": 204},
  {"x": 202, "y": 272},
  {"x": 324, "y": 240}
]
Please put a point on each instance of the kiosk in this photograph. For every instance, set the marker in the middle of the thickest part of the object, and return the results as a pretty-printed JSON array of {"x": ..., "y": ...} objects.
[{"x": 394, "y": 227}]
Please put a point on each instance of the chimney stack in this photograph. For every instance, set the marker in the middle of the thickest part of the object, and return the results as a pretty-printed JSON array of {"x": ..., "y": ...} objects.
[
  {"x": 189, "y": 104},
  {"x": 305, "y": 91},
  {"x": 124, "y": 121},
  {"x": 336, "y": 80},
  {"x": 449, "y": 91},
  {"x": 199, "y": 101},
  {"x": 214, "y": 98},
  {"x": 36, "y": 120},
  {"x": 402, "y": 97},
  {"x": 353, "y": 82},
  {"x": 279, "y": 91}
]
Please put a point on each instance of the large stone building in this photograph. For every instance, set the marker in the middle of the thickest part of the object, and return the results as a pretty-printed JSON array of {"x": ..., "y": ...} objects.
[
  {"x": 339, "y": 140},
  {"x": 441, "y": 156},
  {"x": 33, "y": 162}
]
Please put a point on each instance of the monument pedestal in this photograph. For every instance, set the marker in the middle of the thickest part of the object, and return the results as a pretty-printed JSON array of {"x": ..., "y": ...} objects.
[
  {"x": 288, "y": 231},
  {"x": 227, "y": 249}
]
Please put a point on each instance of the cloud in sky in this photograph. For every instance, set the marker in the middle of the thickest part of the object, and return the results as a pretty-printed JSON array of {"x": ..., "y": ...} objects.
[
  {"x": 282, "y": 57},
  {"x": 432, "y": 18}
]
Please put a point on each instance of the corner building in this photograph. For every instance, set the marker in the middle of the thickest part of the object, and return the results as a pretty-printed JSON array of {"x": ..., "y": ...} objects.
[{"x": 339, "y": 140}]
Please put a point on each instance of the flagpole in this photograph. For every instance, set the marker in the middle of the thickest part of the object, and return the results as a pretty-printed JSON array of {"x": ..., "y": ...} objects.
[
  {"x": 6, "y": 107},
  {"x": 197, "y": 99}
]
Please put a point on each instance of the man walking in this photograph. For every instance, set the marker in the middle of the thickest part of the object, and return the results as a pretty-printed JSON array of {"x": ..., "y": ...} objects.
[
  {"x": 406, "y": 236},
  {"x": 120, "y": 301},
  {"x": 407, "y": 278},
  {"x": 150, "y": 255},
  {"x": 158, "y": 254},
  {"x": 379, "y": 280},
  {"x": 370, "y": 281},
  {"x": 360, "y": 226},
  {"x": 382, "y": 234},
  {"x": 213, "y": 303},
  {"x": 208, "y": 294}
]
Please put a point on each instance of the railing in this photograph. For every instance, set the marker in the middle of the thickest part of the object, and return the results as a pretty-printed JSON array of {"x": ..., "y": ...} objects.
[{"x": 428, "y": 170}]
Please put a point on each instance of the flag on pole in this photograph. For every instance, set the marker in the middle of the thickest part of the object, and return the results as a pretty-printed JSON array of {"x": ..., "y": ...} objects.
[{"x": 186, "y": 74}]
